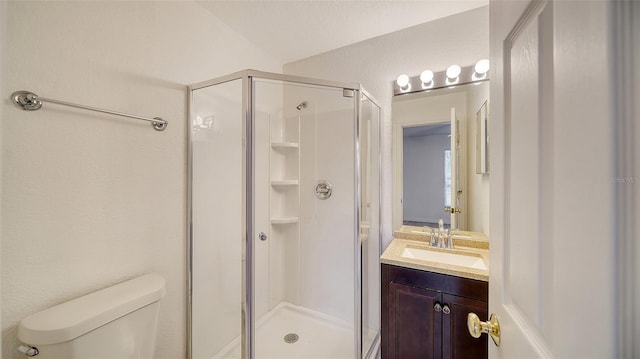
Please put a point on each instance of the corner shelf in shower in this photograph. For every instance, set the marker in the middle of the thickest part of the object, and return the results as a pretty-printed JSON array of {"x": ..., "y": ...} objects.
[
  {"x": 284, "y": 145},
  {"x": 284, "y": 183},
  {"x": 284, "y": 220}
]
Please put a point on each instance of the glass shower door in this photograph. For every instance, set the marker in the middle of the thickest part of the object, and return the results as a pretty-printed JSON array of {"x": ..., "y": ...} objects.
[
  {"x": 283, "y": 218},
  {"x": 304, "y": 220},
  {"x": 370, "y": 222},
  {"x": 217, "y": 175}
]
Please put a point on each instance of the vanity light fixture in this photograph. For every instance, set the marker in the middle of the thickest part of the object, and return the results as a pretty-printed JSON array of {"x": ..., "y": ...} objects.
[
  {"x": 403, "y": 82},
  {"x": 453, "y": 74},
  {"x": 480, "y": 70},
  {"x": 426, "y": 77},
  {"x": 482, "y": 67}
]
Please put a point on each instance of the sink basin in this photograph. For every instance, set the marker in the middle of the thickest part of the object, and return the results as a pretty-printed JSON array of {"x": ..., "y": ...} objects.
[{"x": 464, "y": 260}]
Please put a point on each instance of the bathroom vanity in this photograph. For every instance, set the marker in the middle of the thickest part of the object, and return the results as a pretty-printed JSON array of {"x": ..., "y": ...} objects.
[
  {"x": 426, "y": 299},
  {"x": 440, "y": 180}
]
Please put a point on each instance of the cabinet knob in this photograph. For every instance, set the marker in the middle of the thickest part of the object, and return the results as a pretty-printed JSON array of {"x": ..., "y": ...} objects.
[
  {"x": 477, "y": 327},
  {"x": 437, "y": 307},
  {"x": 446, "y": 309}
]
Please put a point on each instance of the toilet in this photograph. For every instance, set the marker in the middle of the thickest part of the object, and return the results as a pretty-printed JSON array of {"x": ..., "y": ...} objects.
[{"x": 115, "y": 322}]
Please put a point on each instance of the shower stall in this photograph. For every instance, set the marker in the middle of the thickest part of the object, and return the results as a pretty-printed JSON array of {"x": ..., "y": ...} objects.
[{"x": 284, "y": 219}]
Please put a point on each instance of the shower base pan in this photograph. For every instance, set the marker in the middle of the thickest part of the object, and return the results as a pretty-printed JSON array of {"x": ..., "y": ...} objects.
[{"x": 291, "y": 331}]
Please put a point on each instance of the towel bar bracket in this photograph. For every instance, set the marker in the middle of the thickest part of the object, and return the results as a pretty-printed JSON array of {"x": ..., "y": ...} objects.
[{"x": 26, "y": 100}]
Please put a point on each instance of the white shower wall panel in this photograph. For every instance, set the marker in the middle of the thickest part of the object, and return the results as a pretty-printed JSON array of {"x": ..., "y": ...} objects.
[
  {"x": 268, "y": 255},
  {"x": 262, "y": 210},
  {"x": 327, "y": 228}
]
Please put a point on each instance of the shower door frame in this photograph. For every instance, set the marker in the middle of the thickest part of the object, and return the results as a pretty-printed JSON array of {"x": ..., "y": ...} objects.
[
  {"x": 248, "y": 245},
  {"x": 362, "y": 95}
]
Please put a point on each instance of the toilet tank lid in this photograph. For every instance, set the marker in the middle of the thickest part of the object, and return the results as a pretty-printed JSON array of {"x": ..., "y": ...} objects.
[{"x": 76, "y": 317}]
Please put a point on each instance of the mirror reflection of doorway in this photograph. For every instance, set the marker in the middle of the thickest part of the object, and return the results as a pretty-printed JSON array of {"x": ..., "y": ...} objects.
[{"x": 426, "y": 177}]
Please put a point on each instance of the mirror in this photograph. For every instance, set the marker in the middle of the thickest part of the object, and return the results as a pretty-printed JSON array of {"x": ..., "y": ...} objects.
[
  {"x": 440, "y": 158},
  {"x": 482, "y": 140}
]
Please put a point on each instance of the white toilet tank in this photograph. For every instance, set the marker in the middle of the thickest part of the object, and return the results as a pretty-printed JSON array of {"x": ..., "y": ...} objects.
[{"x": 118, "y": 322}]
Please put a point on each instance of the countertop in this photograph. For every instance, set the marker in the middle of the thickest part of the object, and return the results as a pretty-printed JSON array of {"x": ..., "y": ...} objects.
[{"x": 476, "y": 246}]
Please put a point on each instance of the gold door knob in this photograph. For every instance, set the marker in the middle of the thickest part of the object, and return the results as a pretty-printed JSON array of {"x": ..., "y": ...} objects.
[{"x": 477, "y": 327}]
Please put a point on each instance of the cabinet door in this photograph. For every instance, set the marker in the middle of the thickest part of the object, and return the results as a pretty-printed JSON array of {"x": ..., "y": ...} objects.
[
  {"x": 415, "y": 329},
  {"x": 456, "y": 340}
]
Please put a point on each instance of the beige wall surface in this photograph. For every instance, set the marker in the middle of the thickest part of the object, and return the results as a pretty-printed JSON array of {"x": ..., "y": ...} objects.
[
  {"x": 477, "y": 184},
  {"x": 459, "y": 39},
  {"x": 89, "y": 199}
]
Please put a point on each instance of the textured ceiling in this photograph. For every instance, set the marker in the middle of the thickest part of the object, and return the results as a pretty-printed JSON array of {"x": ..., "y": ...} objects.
[{"x": 293, "y": 30}]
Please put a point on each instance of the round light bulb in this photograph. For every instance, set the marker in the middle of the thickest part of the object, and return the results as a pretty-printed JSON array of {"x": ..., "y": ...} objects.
[
  {"x": 482, "y": 67},
  {"x": 426, "y": 76},
  {"x": 403, "y": 80},
  {"x": 453, "y": 71}
]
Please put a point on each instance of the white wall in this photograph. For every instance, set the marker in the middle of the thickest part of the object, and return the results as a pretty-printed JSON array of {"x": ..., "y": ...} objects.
[
  {"x": 477, "y": 184},
  {"x": 268, "y": 203},
  {"x": 423, "y": 176},
  {"x": 327, "y": 152},
  {"x": 3, "y": 31},
  {"x": 461, "y": 39},
  {"x": 88, "y": 199}
]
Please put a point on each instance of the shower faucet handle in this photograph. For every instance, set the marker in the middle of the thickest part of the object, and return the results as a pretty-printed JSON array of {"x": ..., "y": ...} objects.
[{"x": 323, "y": 189}]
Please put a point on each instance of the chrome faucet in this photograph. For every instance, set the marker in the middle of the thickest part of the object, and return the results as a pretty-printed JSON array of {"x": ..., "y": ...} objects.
[
  {"x": 433, "y": 237},
  {"x": 440, "y": 233},
  {"x": 450, "y": 240},
  {"x": 444, "y": 238}
]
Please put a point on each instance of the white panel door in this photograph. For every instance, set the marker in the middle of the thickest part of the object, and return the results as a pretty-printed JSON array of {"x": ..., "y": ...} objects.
[{"x": 552, "y": 280}]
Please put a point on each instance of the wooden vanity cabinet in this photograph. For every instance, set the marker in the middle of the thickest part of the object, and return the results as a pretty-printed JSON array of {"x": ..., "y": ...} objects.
[{"x": 424, "y": 314}]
